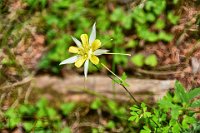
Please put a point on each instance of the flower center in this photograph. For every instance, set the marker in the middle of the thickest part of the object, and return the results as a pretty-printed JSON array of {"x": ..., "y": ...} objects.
[{"x": 86, "y": 52}]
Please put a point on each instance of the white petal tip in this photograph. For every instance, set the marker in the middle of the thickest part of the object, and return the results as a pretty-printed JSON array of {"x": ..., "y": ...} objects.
[
  {"x": 77, "y": 42},
  {"x": 92, "y": 34}
]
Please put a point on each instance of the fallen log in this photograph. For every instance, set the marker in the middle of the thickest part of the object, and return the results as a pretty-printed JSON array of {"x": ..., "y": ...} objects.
[{"x": 73, "y": 87}]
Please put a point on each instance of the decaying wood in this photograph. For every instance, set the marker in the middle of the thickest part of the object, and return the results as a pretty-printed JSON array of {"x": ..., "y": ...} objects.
[{"x": 72, "y": 87}]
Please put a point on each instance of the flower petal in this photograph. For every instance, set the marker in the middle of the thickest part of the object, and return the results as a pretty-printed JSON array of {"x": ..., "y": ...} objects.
[
  {"x": 73, "y": 49},
  {"x": 94, "y": 59},
  {"x": 80, "y": 61},
  {"x": 96, "y": 44},
  {"x": 100, "y": 51},
  {"x": 78, "y": 43},
  {"x": 86, "y": 65},
  {"x": 84, "y": 39},
  {"x": 70, "y": 60},
  {"x": 93, "y": 34}
]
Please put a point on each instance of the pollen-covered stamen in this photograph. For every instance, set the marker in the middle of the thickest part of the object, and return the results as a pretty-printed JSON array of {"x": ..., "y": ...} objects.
[
  {"x": 86, "y": 52},
  {"x": 90, "y": 52}
]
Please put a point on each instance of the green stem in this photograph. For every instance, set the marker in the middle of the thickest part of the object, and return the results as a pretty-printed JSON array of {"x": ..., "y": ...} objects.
[
  {"x": 120, "y": 83},
  {"x": 119, "y": 54}
]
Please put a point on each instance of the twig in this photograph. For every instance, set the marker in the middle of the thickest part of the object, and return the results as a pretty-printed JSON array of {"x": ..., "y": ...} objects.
[
  {"x": 24, "y": 81},
  {"x": 28, "y": 92},
  {"x": 18, "y": 98},
  {"x": 158, "y": 72}
]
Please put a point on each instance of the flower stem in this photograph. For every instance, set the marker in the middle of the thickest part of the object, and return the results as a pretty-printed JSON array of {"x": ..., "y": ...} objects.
[
  {"x": 111, "y": 72},
  {"x": 120, "y": 83},
  {"x": 119, "y": 54}
]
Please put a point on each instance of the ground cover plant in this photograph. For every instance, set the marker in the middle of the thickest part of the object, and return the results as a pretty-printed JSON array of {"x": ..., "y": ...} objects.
[{"x": 162, "y": 37}]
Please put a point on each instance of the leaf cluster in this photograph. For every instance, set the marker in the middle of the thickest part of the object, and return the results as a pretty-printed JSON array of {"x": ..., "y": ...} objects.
[{"x": 173, "y": 113}]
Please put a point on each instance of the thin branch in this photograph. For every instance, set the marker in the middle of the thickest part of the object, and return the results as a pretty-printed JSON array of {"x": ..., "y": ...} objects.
[
  {"x": 158, "y": 72},
  {"x": 17, "y": 84}
]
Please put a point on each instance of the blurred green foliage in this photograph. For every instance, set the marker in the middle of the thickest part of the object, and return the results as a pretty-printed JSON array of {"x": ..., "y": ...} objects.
[
  {"x": 149, "y": 21},
  {"x": 43, "y": 117},
  {"x": 38, "y": 118}
]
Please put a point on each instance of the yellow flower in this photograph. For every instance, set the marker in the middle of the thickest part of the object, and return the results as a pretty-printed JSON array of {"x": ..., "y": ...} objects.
[{"x": 86, "y": 50}]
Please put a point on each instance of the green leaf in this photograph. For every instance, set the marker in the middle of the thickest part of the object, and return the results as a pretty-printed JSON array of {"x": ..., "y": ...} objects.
[
  {"x": 187, "y": 121},
  {"x": 110, "y": 124},
  {"x": 132, "y": 44},
  {"x": 145, "y": 130},
  {"x": 138, "y": 60},
  {"x": 166, "y": 102},
  {"x": 39, "y": 124},
  {"x": 165, "y": 36},
  {"x": 118, "y": 39},
  {"x": 180, "y": 92},
  {"x": 160, "y": 24},
  {"x": 134, "y": 118},
  {"x": 195, "y": 104},
  {"x": 139, "y": 15},
  {"x": 96, "y": 104},
  {"x": 117, "y": 15},
  {"x": 175, "y": 1},
  {"x": 147, "y": 114},
  {"x": 66, "y": 130},
  {"x": 151, "y": 60},
  {"x": 193, "y": 93},
  {"x": 150, "y": 17},
  {"x": 165, "y": 129},
  {"x": 175, "y": 111},
  {"x": 13, "y": 118},
  {"x": 176, "y": 128},
  {"x": 112, "y": 105},
  {"x": 52, "y": 113},
  {"x": 42, "y": 103},
  {"x": 28, "y": 126},
  {"x": 144, "y": 33},
  {"x": 42, "y": 112},
  {"x": 67, "y": 108},
  {"x": 27, "y": 110},
  {"x": 134, "y": 108},
  {"x": 43, "y": 3},
  {"x": 149, "y": 5},
  {"x": 172, "y": 18},
  {"x": 159, "y": 7},
  {"x": 126, "y": 21},
  {"x": 124, "y": 77},
  {"x": 94, "y": 130}
]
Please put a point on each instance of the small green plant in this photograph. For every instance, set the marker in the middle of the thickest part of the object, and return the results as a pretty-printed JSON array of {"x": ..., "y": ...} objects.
[
  {"x": 173, "y": 113},
  {"x": 36, "y": 4},
  {"x": 140, "y": 60}
]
